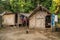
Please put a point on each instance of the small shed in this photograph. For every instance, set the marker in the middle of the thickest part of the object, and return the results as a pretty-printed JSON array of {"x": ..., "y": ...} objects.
[
  {"x": 10, "y": 18},
  {"x": 40, "y": 18}
]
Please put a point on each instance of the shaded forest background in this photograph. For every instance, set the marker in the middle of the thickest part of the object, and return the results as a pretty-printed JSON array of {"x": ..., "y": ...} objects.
[{"x": 28, "y": 5}]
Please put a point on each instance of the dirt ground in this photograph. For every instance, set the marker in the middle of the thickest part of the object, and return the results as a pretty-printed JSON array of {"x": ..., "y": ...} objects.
[{"x": 22, "y": 34}]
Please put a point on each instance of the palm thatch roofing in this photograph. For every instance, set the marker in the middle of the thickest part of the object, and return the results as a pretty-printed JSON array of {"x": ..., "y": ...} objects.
[{"x": 39, "y": 8}]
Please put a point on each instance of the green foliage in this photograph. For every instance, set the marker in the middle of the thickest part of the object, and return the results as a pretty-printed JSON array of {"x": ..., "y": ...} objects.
[
  {"x": 46, "y": 3},
  {"x": 53, "y": 7},
  {"x": 23, "y": 5}
]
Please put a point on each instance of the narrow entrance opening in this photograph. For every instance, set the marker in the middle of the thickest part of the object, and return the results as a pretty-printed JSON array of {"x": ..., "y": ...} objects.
[
  {"x": 16, "y": 18},
  {"x": 48, "y": 21}
]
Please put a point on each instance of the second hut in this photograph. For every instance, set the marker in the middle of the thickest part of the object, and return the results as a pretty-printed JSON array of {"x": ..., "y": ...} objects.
[{"x": 40, "y": 18}]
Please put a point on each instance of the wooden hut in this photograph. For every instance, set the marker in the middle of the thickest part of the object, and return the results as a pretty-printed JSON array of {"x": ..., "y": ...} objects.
[
  {"x": 40, "y": 18},
  {"x": 10, "y": 18}
]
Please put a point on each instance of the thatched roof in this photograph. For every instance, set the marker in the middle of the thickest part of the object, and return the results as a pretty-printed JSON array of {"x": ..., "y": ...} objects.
[
  {"x": 39, "y": 8},
  {"x": 5, "y": 12},
  {"x": 25, "y": 14}
]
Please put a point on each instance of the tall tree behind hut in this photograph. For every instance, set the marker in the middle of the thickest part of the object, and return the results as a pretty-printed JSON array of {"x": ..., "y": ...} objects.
[{"x": 23, "y": 5}]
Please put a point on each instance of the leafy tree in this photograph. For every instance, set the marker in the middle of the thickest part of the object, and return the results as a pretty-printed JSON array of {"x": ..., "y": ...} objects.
[
  {"x": 23, "y": 5},
  {"x": 46, "y": 3},
  {"x": 55, "y": 7}
]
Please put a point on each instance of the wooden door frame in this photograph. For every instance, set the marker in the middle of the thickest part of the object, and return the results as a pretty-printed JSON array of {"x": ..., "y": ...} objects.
[{"x": 48, "y": 21}]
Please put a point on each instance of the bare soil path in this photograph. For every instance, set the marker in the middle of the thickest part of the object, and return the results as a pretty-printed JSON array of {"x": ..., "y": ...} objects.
[{"x": 20, "y": 34}]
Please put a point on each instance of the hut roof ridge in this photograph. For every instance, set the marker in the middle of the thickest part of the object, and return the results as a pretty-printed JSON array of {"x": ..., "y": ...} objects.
[{"x": 39, "y": 8}]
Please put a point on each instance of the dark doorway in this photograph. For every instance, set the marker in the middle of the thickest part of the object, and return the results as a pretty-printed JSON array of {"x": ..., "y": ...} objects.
[
  {"x": 16, "y": 18},
  {"x": 48, "y": 21}
]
